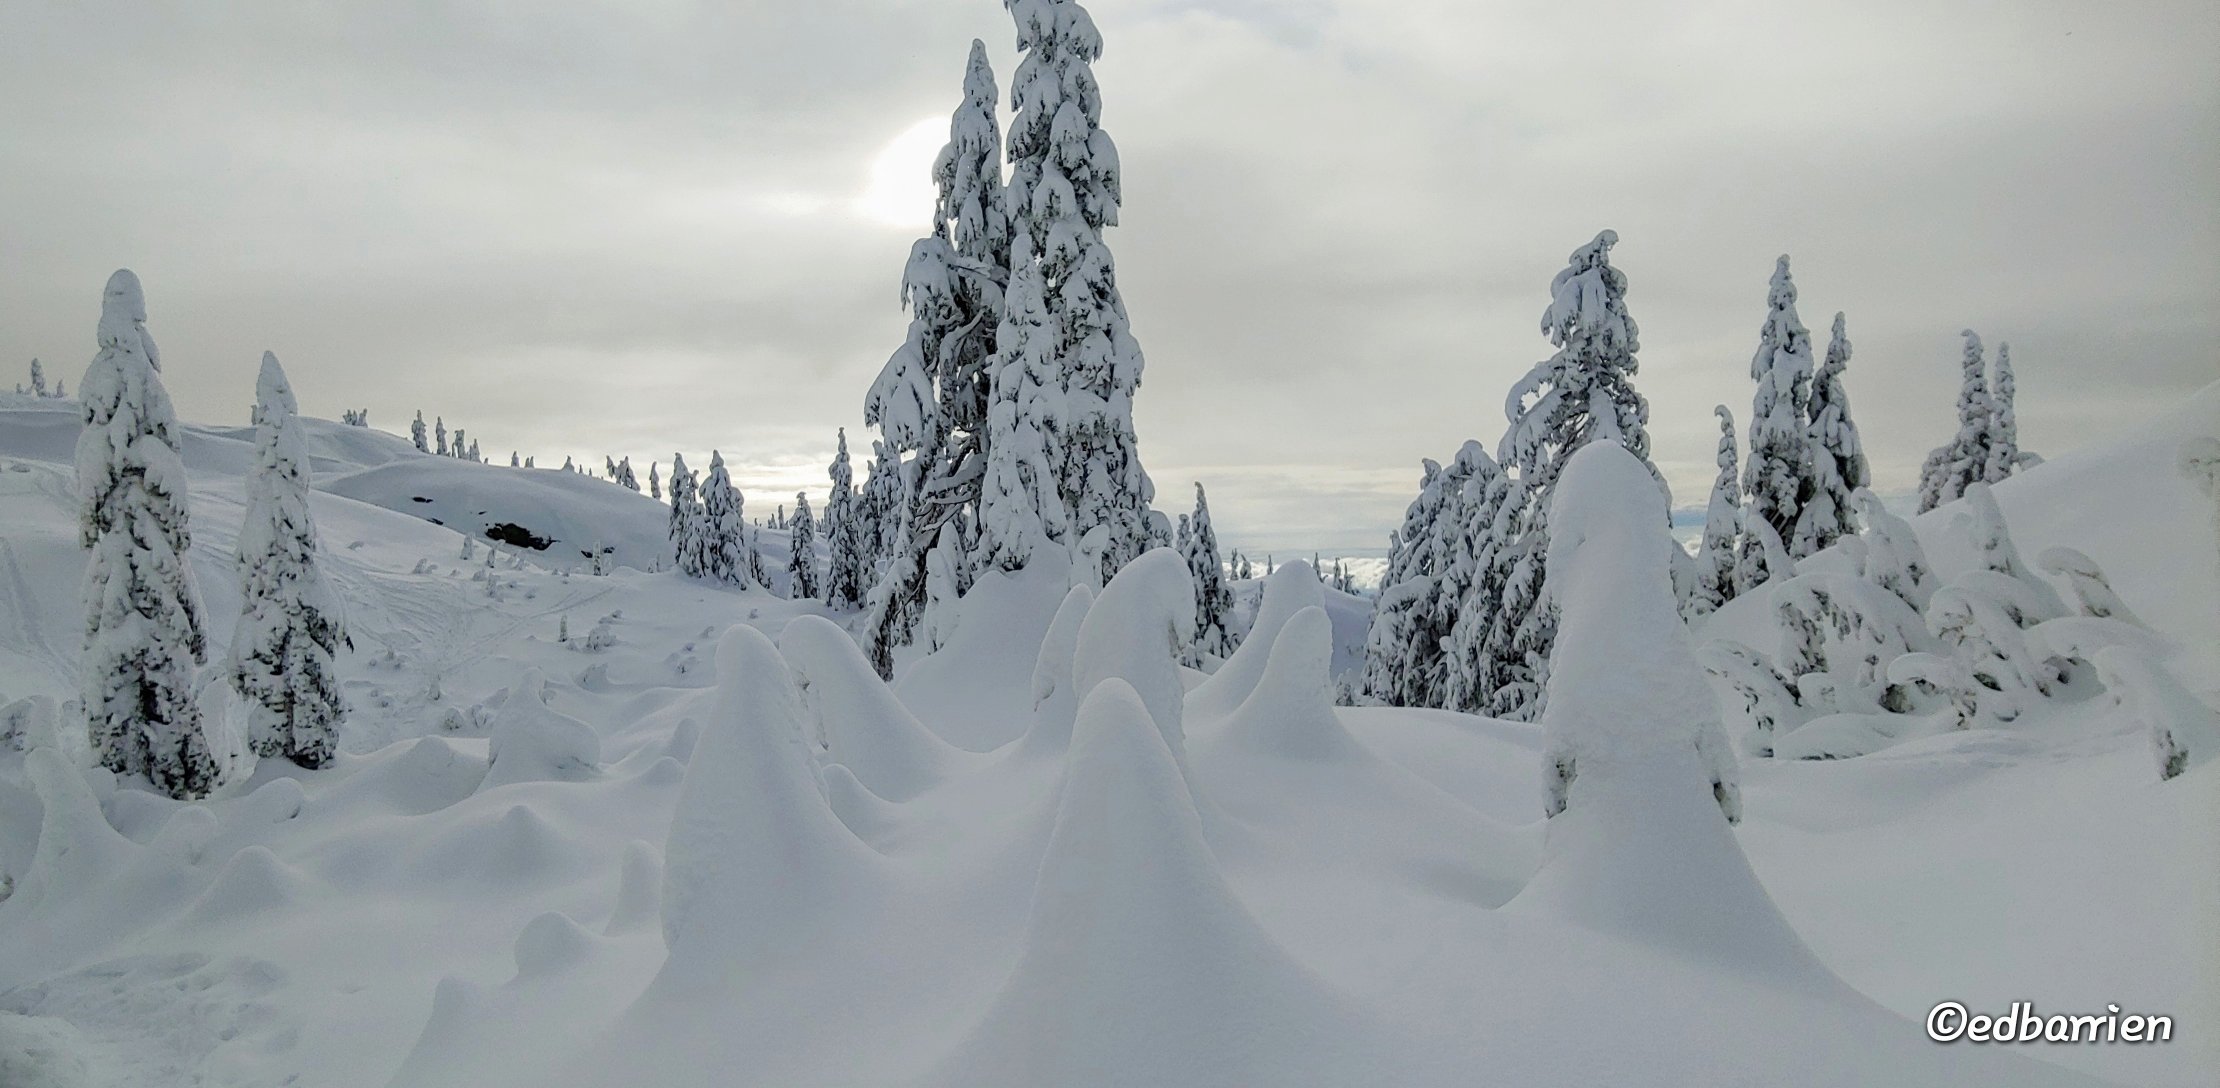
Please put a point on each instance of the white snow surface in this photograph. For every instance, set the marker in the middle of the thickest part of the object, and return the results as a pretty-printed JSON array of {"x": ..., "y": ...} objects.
[{"x": 714, "y": 849}]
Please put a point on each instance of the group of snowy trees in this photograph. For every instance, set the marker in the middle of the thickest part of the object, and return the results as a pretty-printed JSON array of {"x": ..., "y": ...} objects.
[
  {"x": 1006, "y": 416},
  {"x": 1805, "y": 460},
  {"x": 38, "y": 387},
  {"x": 1461, "y": 620},
  {"x": 438, "y": 442},
  {"x": 145, "y": 640},
  {"x": 1986, "y": 448}
]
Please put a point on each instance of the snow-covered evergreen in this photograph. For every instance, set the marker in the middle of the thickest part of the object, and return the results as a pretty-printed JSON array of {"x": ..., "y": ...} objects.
[
  {"x": 1716, "y": 556},
  {"x": 1581, "y": 394},
  {"x": 1838, "y": 465},
  {"x": 655, "y": 480},
  {"x": 416, "y": 433},
  {"x": 2005, "y": 457},
  {"x": 1063, "y": 191},
  {"x": 801, "y": 564},
  {"x": 1021, "y": 513},
  {"x": 291, "y": 624},
  {"x": 1965, "y": 459},
  {"x": 686, "y": 520},
  {"x": 143, "y": 635},
  {"x": 723, "y": 550},
  {"x": 439, "y": 432},
  {"x": 1778, "y": 472},
  {"x": 38, "y": 379},
  {"x": 1213, "y": 599},
  {"x": 1471, "y": 593},
  {"x": 848, "y": 573}
]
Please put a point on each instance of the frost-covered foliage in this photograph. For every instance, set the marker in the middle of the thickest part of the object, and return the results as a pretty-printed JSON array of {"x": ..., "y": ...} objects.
[
  {"x": 2005, "y": 455},
  {"x": 801, "y": 565},
  {"x": 686, "y": 520},
  {"x": 291, "y": 624},
  {"x": 1838, "y": 465},
  {"x": 1778, "y": 473},
  {"x": 1063, "y": 191},
  {"x": 416, "y": 433},
  {"x": 1465, "y": 609},
  {"x": 1625, "y": 689},
  {"x": 1715, "y": 557},
  {"x": 1585, "y": 391},
  {"x": 1402, "y": 645},
  {"x": 619, "y": 471},
  {"x": 723, "y": 526},
  {"x": 1213, "y": 599},
  {"x": 848, "y": 573},
  {"x": 1020, "y": 510},
  {"x": 143, "y": 636},
  {"x": 1965, "y": 460},
  {"x": 1581, "y": 394}
]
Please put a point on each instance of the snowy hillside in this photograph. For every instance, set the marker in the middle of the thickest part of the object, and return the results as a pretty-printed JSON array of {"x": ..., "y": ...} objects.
[{"x": 699, "y": 842}]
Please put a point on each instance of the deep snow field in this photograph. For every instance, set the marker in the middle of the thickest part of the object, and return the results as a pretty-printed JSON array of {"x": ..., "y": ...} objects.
[{"x": 700, "y": 843}]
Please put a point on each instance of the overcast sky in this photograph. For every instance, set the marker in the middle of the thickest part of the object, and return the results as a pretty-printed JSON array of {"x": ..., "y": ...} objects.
[{"x": 634, "y": 226}]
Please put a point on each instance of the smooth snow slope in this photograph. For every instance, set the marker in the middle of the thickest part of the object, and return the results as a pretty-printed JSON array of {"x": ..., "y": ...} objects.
[{"x": 1335, "y": 898}]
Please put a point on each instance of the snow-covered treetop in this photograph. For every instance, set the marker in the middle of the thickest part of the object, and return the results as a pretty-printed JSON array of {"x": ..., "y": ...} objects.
[
  {"x": 1587, "y": 301},
  {"x": 968, "y": 170},
  {"x": 1783, "y": 341},
  {"x": 123, "y": 316},
  {"x": 271, "y": 390},
  {"x": 1582, "y": 393}
]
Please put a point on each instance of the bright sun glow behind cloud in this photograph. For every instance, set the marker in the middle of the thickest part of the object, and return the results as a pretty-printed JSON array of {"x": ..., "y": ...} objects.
[{"x": 898, "y": 192}]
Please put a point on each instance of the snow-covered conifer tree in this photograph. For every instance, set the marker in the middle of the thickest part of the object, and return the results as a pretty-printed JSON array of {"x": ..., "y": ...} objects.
[
  {"x": 723, "y": 550},
  {"x": 416, "y": 433},
  {"x": 1715, "y": 560},
  {"x": 1965, "y": 459},
  {"x": 143, "y": 636},
  {"x": 2004, "y": 426},
  {"x": 655, "y": 481},
  {"x": 847, "y": 573},
  {"x": 752, "y": 559},
  {"x": 1063, "y": 192},
  {"x": 1020, "y": 511},
  {"x": 1213, "y": 600},
  {"x": 1838, "y": 466},
  {"x": 1581, "y": 394},
  {"x": 686, "y": 520},
  {"x": 1778, "y": 473},
  {"x": 439, "y": 429},
  {"x": 38, "y": 379},
  {"x": 290, "y": 625},
  {"x": 801, "y": 564},
  {"x": 455, "y": 447},
  {"x": 1486, "y": 521},
  {"x": 625, "y": 475}
]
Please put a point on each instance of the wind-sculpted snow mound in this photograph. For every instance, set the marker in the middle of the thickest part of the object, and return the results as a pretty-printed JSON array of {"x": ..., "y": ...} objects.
[
  {"x": 758, "y": 869},
  {"x": 1291, "y": 589},
  {"x": 533, "y": 742},
  {"x": 1139, "y": 965},
  {"x": 1134, "y": 632},
  {"x": 856, "y": 718},
  {"x": 974, "y": 691}
]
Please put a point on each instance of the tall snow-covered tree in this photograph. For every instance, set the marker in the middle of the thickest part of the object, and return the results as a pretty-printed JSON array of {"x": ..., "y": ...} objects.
[
  {"x": 847, "y": 573},
  {"x": 686, "y": 520},
  {"x": 38, "y": 379},
  {"x": 930, "y": 400},
  {"x": 1063, "y": 191},
  {"x": 290, "y": 622},
  {"x": 455, "y": 446},
  {"x": 439, "y": 432},
  {"x": 801, "y": 563},
  {"x": 143, "y": 635},
  {"x": 723, "y": 550},
  {"x": 416, "y": 434},
  {"x": 473, "y": 455},
  {"x": 655, "y": 481},
  {"x": 1213, "y": 599},
  {"x": 1583, "y": 393},
  {"x": 2004, "y": 425},
  {"x": 1021, "y": 513},
  {"x": 1471, "y": 592},
  {"x": 1838, "y": 466},
  {"x": 1965, "y": 458},
  {"x": 1778, "y": 474},
  {"x": 1715, "y": 560}
]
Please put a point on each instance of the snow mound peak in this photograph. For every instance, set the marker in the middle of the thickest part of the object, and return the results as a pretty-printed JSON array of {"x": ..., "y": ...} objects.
[
  {"x": 862, "y": 725},
  {"x": 1139, "y": 965},
  {"x": 1133, "y": 633},
  {"x": 1290, "y": 710},
  {"x": 532, "y": 743},
  {"x": 757, "y": 866},
  {"x": 1055, "y": 704},
  {"x": 1290, "y": 589}
]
